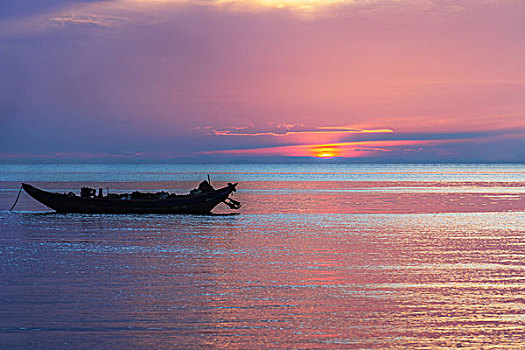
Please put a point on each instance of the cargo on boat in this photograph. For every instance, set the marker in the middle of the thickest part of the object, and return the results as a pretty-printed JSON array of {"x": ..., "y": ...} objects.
[{"x": 200, "y": 201}]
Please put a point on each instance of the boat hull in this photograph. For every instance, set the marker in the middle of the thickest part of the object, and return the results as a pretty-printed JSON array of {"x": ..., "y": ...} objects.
[{"x": 188, "y": 204}]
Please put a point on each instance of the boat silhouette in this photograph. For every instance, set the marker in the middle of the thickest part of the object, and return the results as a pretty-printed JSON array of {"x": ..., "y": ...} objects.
[{"x": 200, "y": 201}]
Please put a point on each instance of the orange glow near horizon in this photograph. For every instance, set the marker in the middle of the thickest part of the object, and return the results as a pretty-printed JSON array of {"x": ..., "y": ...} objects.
[{"x": 343, "y": 149}]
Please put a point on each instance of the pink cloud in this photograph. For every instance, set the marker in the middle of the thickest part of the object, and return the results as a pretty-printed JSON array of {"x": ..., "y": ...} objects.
[{"x": 281, "y": 130}]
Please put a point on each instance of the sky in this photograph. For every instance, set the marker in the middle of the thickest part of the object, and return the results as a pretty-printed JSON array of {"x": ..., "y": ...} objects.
[{"x": 262, "y": 80}]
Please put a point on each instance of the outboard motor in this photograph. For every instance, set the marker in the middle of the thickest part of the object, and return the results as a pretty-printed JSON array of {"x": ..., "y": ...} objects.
[{"x": 232, "y": 203}]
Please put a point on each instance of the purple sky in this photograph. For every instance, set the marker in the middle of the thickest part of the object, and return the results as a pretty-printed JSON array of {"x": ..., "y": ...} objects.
[{"x": 212, "y": 80}]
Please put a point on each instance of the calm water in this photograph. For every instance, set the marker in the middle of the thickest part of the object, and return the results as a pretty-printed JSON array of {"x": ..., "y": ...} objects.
[{"x": 319, "y": 256}]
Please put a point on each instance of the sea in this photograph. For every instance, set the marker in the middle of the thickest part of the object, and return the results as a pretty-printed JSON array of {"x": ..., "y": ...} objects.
[{"x": 319, "y": 256}]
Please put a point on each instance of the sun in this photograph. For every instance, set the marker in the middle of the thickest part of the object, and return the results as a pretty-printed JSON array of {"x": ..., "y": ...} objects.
[
  {"x": 326, "y": 155},
  {"x": 325, "y": 152}
]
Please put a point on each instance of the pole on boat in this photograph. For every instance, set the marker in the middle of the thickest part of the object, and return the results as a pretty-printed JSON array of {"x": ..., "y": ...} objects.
[
  {"x": 17, "y": 197},
  {"x": 209, "y": 181}
]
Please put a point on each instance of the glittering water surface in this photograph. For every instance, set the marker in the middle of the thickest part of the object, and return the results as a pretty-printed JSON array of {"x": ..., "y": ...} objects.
[{"x": 321, "y": 262}]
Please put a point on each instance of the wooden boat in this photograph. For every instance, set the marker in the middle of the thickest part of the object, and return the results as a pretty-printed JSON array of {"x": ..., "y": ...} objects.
[{"x": 199, "y": 201}]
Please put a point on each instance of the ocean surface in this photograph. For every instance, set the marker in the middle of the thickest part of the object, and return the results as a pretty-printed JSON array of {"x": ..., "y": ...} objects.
[{"x": 324, "y": 256}]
